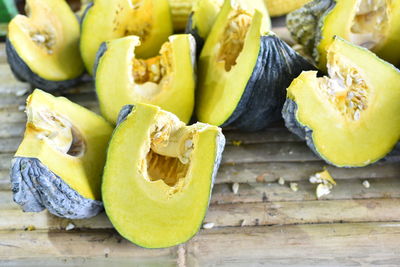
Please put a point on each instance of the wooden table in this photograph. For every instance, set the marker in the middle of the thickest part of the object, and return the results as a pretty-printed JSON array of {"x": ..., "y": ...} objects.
[{"x": 264, "y": 224}]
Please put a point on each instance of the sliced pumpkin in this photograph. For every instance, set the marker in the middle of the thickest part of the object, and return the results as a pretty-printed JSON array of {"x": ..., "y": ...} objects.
[
  {"x": 106, "y": 20},
  {"x": 352, "y": 117},
  {"x": 59, "y": 163},
  {"x": 167, "y": 80},
  {"x": 43, "y": 47},
  {"x": 373, "y": 24},
  {"x": 244, "y": 71},
  {"x": 205, "y": 12},
  {"x": 159, "y": 175}
]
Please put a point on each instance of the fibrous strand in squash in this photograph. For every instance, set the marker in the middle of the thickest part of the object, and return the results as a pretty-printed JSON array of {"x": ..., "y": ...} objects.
[
  {"x": 169, "y": 154},
  {"x": 370, "y": 24},
  {"x": 154, "y": 69},
  {"x": 232, "y": 40},
  {"x": 346, "y": 88},
  {"x": 44, "y": 38},
  {"x": 56, "y": 130}
]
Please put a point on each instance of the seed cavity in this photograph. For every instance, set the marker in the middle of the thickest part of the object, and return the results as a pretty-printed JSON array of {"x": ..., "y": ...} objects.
[
  {"x": 370, "y": 24},
  {"x": 345, "y": 87},
  {"x": 155, "y": 69},
  {"x": 232, "y": 41},
  {"x": 45, "y": 39},
  {"x": 56, "y": 130},
  {"x": 170, "y": 151}
]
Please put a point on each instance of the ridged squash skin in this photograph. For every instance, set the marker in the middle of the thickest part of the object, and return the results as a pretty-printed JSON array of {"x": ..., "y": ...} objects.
[
  {"x": 148, "y": 211},
  {"x": 251, "y": 94},
  {"x": 43, "y": 47},
  {"x": 59, "y": 162},
  {"x": 315, "y": 24},
  {"x": 339, "y": 136},
  {"x": 108, "y": 20}
]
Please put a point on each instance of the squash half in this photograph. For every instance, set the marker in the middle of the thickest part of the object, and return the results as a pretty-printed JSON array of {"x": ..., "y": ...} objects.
[
  {"x": 352, "y": 117},
  {"x": 167, "y": 80},
  {"x": 244, "y": 71},
  {"x": 59, "y": 163},
  {"x": 373, "y": 24},
  {"x": 106, "y": 20},
  {"x": 43, "y": 47},
  {"x": 159, "y": 175}
]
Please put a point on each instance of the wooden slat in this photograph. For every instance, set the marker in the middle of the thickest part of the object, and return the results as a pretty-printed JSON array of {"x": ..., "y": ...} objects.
[
  {"x": 358, "y": 244},
  {"x": 3, "y": 57},
  {"x": 266, "y": 171},
  {"x": 384, "y": 188},
  {"x": 270, "y": 192},
  {"x": 366, "y": 244},
  {"x": 297, "y": 171},
  {"x": 9, "y": 85},
  {"x": 253, "y": 214},
  {"x": 105, "y": 244}
]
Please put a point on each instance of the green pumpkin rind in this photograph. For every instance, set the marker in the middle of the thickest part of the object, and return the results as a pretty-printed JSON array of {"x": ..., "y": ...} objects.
[{"x": 304, "y": 23}]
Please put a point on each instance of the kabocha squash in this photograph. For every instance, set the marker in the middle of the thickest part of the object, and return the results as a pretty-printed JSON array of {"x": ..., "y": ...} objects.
[
  {"x": 282, "y": 7},
  {"x": 106, "y": 20},
  {"x": 159, "y": 175},
  {"x": 59, "y": 163},
  {"x": 243, "y": 72},
  {"x": 43, "y": 47},
  {"x": 352, "y": 117},
  {"x": 167, "y": 80},
  {"x": 374, "y": 24},
  {"x": 205, "y": 12}
]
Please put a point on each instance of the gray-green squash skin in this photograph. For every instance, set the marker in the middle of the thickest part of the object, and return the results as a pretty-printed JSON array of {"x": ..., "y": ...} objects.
[
  {"x": 305, "y": 24},
  {"x": 89, "y": 6},
  {"x": 221, "y": 141},
  {"x": 289, "y": 114},
  {"x": 265, "y": 93},
  {"x": 102, "y": 50},
  {"x": 35, "y": 188},
  {"x": 23, "y": 73}
]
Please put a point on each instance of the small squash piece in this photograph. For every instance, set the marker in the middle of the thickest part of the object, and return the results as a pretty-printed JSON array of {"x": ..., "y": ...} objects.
[
  {"x": 159, "y": 175},
  {"x": 243, "y": 71},
  {"x": 106, "y": 20},
  {"x": 167, "y": 80},
  {"x": 43, "y": 47},
  {"x": 59, "y": 163},
  {"x": 374, "y": 24},
  {"x": 352, "y": 117}
]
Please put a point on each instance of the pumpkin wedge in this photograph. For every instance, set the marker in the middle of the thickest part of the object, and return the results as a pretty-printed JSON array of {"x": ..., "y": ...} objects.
[
  {"x": 43, "y": 47},
  {"x": 106, "y": 20},
  {"x": 159, "y": 175},
  {"x": 166, "y": 80},
  {"x": 352, "y": 117},
  {"x": 244, "y": 71},
  {"x": 373, "y": 24},
  {"x": 59, "y": 163}
]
